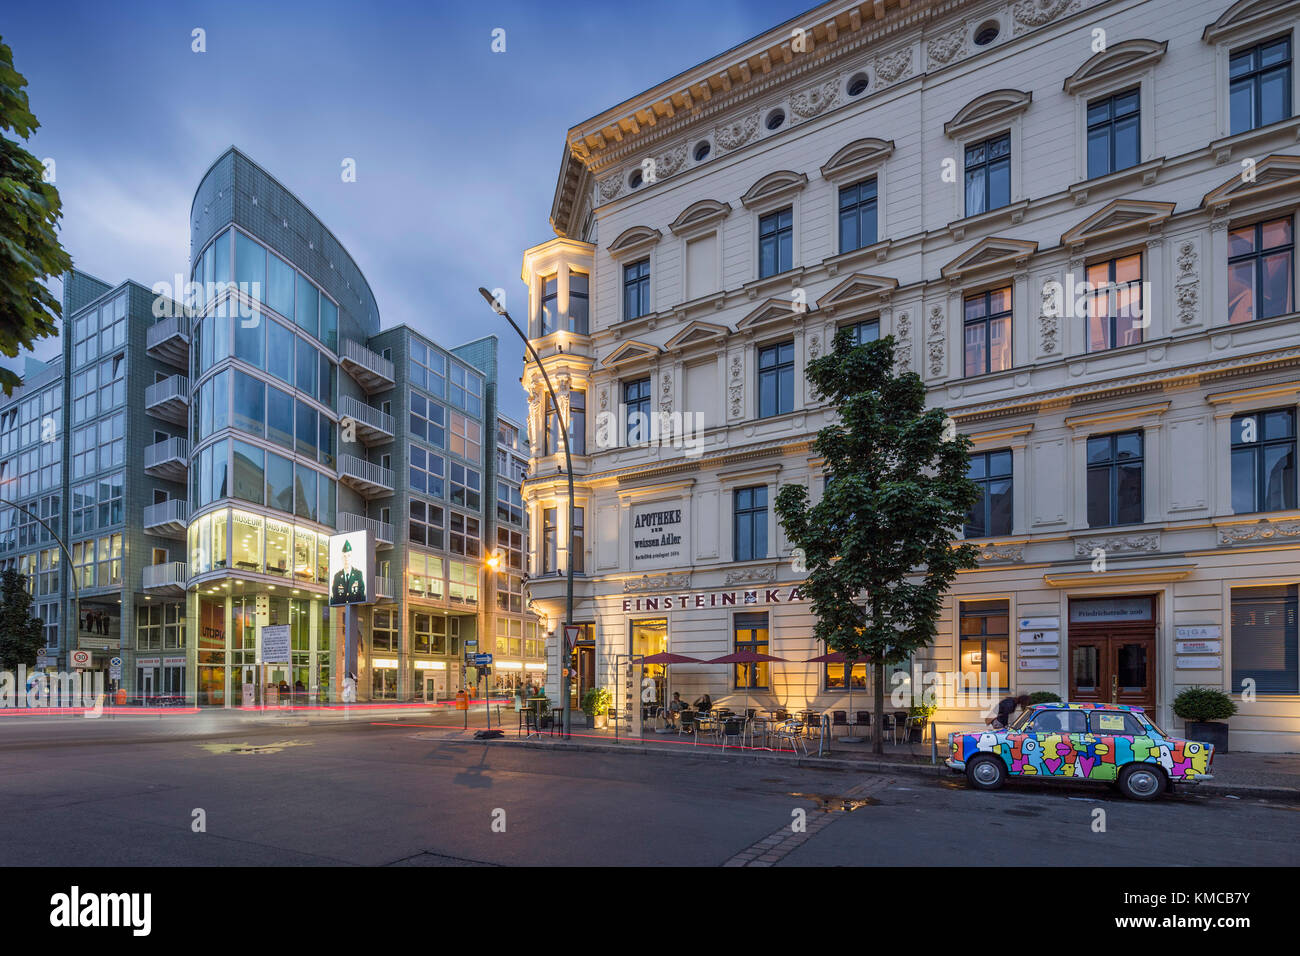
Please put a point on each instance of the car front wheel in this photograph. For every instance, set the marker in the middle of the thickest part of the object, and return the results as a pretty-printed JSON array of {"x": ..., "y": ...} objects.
[
  {"x": 986, "y": 772},
  {"x": 1141, "y": 781}
]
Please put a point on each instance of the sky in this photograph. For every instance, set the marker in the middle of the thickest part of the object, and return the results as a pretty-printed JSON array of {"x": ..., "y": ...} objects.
[{"x": 457, "y": 148}]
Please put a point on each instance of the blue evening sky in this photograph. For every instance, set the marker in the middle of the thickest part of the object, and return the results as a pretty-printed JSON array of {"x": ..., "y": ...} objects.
[{"x": 457, "y": 148}]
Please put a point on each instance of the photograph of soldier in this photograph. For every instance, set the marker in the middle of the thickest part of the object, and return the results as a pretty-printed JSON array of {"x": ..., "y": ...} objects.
[{"x": 349, "y": 583}]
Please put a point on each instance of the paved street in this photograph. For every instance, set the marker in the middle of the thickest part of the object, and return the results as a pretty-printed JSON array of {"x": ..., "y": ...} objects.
[{"x": 383, "y": 794}]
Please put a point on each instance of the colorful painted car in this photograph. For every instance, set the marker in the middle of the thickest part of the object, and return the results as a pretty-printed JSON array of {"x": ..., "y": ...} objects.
[{"x": 1108, "y": 743}]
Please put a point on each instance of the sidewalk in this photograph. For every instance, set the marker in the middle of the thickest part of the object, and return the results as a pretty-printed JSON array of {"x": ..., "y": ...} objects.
[{"x": 1239, "y": 775}]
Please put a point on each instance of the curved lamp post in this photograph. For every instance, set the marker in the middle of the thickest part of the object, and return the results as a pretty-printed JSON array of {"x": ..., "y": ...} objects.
[
  {"x": 72, "y": 569},
  {"x": 500, "y": 310}
]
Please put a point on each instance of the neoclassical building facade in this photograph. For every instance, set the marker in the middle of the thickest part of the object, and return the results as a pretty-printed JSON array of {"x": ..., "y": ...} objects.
[{"x": 1077, "y": 221}]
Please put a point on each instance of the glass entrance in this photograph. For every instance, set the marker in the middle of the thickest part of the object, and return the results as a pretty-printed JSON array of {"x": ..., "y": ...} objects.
[{"x": 1113, "y": 669}]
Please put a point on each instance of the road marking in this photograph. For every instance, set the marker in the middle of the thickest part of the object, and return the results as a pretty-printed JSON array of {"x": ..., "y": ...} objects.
[
  {"x": 780, "y": 843},
  {"x": 246, "y": 748}
]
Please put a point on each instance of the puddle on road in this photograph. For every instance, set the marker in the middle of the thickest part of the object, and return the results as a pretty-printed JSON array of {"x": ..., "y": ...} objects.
[
  {"x": 247, "y": 748},
  {"x": 829, "y": 803}
]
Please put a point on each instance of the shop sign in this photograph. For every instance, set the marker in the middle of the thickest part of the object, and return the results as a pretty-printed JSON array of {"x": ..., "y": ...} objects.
[
  {"x": 1110, "y": 610},
  {"x": 1039, "y": 663},
  {"x": 148, "y": 661},
  {"x": 98, "y": 643},
  {"x": 1039, "y": 650},
  {"x": 1040, "y": 623},
  {"x": 1040, "y": 637},
  {"x": 1199, "y": 632},
  {"x": 1199, "y": 647},
  {"x": 1199, "y": 663},
  {"x": 275, "y": 644},
  {"x": 173, "y": 662},
  {"x": 656, "y": 536},
  {"x": 715, "y": 599}
]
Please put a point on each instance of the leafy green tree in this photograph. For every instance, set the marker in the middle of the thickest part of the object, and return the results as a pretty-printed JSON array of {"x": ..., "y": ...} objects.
[
  {"x": 30, "y": 210},
  {"x": 21, "y": 634},
  {"x": 880, "y": 547}
]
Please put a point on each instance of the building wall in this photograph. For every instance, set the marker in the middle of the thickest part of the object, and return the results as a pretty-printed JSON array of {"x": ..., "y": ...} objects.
[{"x": 933, "y": 91}]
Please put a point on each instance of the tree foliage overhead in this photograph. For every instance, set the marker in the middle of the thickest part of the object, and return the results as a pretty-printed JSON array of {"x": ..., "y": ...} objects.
[
  {"x": 21, "y": 636},
  {"x": 880, "y": 546},
  {"x": 30, "y": 210}
]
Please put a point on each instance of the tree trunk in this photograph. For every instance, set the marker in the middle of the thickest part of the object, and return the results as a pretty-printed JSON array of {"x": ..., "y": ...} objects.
[{"x": 878, "y": 739}]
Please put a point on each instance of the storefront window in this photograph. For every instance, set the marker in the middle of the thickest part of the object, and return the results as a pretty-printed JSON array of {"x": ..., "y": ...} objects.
[
  {"x": 835, "y": 677},
  {"x": 247, "y": 541},
  {"x": 421, "y": 633},
  {"x": 243, "y": 623},
  {"x": 278, "y": 537},
  {"x": 300, "y": 624},
  {"x": 985, "y": 644},
  {"x": 649, "y": 638},
  {"x": 751, "y": 635},
  {"x": 304, "y": 555}
]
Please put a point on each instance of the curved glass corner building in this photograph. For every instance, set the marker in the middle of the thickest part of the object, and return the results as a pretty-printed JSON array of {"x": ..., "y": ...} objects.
[{"x": 276, "y": 301}]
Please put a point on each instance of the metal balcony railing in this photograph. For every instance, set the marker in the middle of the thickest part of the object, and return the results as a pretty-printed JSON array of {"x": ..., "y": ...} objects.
[
  {"x": 382, "y": 530},
  {"x": 172, "y": 574},
  {"x": 370, "y": 479},
  {"x": 174, "y": 511},
  {"x": 371, "y": 370}
]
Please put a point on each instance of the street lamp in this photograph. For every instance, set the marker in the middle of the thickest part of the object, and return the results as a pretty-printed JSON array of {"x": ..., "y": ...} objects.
[
  {"x": 500, "y": 310},
  {"x": 72, "y": 567}
]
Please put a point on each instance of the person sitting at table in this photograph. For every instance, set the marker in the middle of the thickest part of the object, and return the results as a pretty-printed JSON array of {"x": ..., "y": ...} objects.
[
  {"x": 675, "y": 707},
  {"x": 705, "y": 704}
]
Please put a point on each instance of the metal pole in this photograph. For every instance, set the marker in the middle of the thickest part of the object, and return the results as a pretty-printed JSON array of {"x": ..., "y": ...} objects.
[
  {"x": 72, "y": 570},
  {"x": 568, "y": 467}
]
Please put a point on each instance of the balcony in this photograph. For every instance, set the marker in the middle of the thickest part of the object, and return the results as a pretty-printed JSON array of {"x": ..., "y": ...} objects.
[
  {"x": 367, "y": 478},
  {"x": 372, "y": 371},
  {"x": 384, "y": 589},
  {"x": 372, "y": 425},
  {"x": 169, "y": 459},
  {"x": 168, "y": 340},
  {"x": 169, "y": 399},
  {"x": 167, "y": 518},
  {"x": 381, "y": 531},
  {"x": 168, "y": 577}
]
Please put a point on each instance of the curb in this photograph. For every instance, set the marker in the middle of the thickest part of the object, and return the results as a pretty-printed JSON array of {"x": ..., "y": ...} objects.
[{"x": 1288, "y": 794}]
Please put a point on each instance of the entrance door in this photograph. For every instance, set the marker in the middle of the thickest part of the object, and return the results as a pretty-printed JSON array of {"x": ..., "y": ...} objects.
[
  {"x": 146, "y": 684},
  {"x": 435, "y": 685},
  {"x": 586, "y": 668},
  {"x": 1114, "y": 668}
]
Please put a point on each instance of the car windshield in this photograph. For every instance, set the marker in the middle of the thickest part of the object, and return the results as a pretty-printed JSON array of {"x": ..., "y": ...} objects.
[
  {"x": 1151, "y": 723},
  {"x": 1020, "y": 720}
]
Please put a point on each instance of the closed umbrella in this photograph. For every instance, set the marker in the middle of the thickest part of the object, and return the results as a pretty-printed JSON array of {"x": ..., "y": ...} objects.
[
  {"x": 747, "y": 657},
  {"x": 666, "y": 658}
]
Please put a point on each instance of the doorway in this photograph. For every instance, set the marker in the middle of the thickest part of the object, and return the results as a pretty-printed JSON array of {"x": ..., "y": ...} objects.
[
  {"x": 435, "y": 686},
  {"x": 1113, "y": 651}
]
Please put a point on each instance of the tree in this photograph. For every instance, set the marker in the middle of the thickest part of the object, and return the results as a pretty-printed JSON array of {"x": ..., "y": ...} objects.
[
  {"x": 880, "y": 546},
  {"x": 30, "y": 210},
  {"x": 21, "y": 635}
]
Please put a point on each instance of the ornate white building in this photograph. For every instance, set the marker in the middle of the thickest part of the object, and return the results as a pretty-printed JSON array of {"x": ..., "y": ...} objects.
[{"x": 949, "y": 173}]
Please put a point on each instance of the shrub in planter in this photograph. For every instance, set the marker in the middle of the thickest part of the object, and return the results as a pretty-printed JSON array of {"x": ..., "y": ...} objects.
[
  {"x": 595, "y": 704},
  {"x": 1204, "y": 711},
  {"x": 1044, "y": 697},
  {"x": 918, "y": 715}
]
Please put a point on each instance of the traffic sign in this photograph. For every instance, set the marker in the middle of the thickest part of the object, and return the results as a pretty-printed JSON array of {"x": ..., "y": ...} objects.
[
  {"x": 571, "y": 634},
  {"x": 80, "y": 658},
  {"x": 482, "y": 659},
  {"x": 115, "y": 668}
]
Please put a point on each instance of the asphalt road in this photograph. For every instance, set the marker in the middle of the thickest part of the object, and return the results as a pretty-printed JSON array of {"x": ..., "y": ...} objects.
[{"x": 371, "y": 794}]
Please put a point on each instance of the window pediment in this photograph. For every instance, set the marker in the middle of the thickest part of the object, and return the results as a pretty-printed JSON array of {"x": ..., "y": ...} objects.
[
  {"x": 694, "y": 334},
  {"x": 773, "y": 310},
  {"x": 988, "y": 253},
  {"x": 632, "y": 241},
  {"x": 1120, "y": 215},
  {"x": 774, "y": 188},
  {"x": 999, "y": 106},
  {"x": 1243, "y": 16},
  {"x": 629, "y": 352},
  {"x": 858, "y": 289},
  {"x": 1271, "y": 173},
  {"x": 699, "y": 217},
  {"x": 1121, "y": 60},
  {"x": 857, "y": 158}
]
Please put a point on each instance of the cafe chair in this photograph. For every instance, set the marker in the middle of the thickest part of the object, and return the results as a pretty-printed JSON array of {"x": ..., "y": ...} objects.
[
  {"x": 733, "y": 728},
  {"x": 790, "y": 730},
  {"x": 863, "y": 719},
  {"x": 839, "y": 719},
  {"x": 687, "y": 723}
]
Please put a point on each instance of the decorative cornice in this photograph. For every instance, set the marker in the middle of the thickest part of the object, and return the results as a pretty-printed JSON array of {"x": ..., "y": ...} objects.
[
  {"x": 747, "y": 575},
  {"x": 1262, "y": 530},
  {"x": 1118, "y": 544},
  {"x": 657, "y": 582},
  {"x": 1121, "y": 60}
]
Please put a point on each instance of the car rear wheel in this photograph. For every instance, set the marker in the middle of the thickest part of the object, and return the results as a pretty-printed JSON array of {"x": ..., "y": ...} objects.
[
  {"x": 986, "y": 772},
  {"x": 1141, "y": 781}
]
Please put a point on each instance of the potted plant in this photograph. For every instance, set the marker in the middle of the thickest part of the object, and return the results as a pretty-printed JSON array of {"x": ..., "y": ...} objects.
[
  {"x": 544, "y": 715},
  {"x": 595, "y": 704},
  {"x": 1204, "y": 712},
  {"x": 1044, "y": 697},
  {"x": 917, "y": 717}
]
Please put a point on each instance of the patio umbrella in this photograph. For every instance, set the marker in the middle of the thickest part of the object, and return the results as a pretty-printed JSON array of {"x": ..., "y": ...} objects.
[
  {"x": 666, "y": 658},
  {"x": 746, "y": 657},
  {"x": 837, "y": 657}
]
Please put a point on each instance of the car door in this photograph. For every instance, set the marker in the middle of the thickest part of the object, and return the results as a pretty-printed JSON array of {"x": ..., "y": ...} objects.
[
  {"x": 1114, "y": 732},
  {"x": 1046, "y": 744}
]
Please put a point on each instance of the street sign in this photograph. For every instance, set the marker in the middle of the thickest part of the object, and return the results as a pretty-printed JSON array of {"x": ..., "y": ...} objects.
[
  {"x": 571, "y": 634},
  {"x": 79, "y": 658},
  {"x": 115, "y": 668},
  {"x": 275, "y": 644},
  {"x": 471, "y": 643},
  {"x": 481, "y": 660}
]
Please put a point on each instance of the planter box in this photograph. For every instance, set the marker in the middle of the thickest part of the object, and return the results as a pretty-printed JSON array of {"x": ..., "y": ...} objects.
[
  {"x": 1210, "y": 732},
  {"x": 598, "y": 722}
]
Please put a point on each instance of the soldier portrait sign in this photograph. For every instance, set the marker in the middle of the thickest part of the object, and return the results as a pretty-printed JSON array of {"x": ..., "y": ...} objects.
[{"x": 350, "y": 566}]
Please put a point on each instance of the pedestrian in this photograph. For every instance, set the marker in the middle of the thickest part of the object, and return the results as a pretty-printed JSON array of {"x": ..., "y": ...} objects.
[{"x": 1006, "y": 707}]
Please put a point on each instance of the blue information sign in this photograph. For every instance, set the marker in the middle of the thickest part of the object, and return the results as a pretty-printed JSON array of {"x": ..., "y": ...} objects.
[{"x": 481, "y": 659}]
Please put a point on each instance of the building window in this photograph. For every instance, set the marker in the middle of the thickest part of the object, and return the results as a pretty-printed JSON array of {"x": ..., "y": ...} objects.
[
  {"x": 1114, "y": 137},
  {"x": 858, "y": 215},
  {"x": 550, "y": 295},
  {"x": 510, "y": 545},
  {"x": 465, "y": 389},
  {"x": 1259, "y": 85},
  {"x": 510, "y": 506},
  {"x": 425, "y": 524},
  {"x": 1115, "y": 303},
  {"x": 428, "y": 369},
  {"x": 987, "y": 328},
  {"x": 636, "y": 400},
  {"x": 462, "y": 581},
  {"x": 466, "y": 438},
  {"x": 1261, "y": 270},
  {"x": 426, "y": 472},
  {"x": 834, "y": 678},
  {"x": 464, "y": 535},
  {"x": 428, "y": 420},
  {"x": 579, "y": 302},
  {"x": 1263, "y": 461},
  {"x": 1265, "y": 645},
  {"x": 776, "y": 380},
  {"x": 466, "y": 484},
  {"x": 988, "y": 174},
  {"x": 636, "y": 289},
  {"x": 550, "y": 541},
  {"x": 576, "y": 546},
  {"x": 424, "y": 575},
  {"x": 863, "y": 332},
  {"x": 577, "y": 422},
  {"x": 985, "y": 644},
  {"x": 776, "y": 242},
  {"x": 1115, "y": 479},
  {"x": 750, "y": 523},
  {"x": 384, "y": 631},
  {"x": 510, "y": 593},
  {"x": 750, "y": 635},
  {"x": 991, "y": 516}
]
